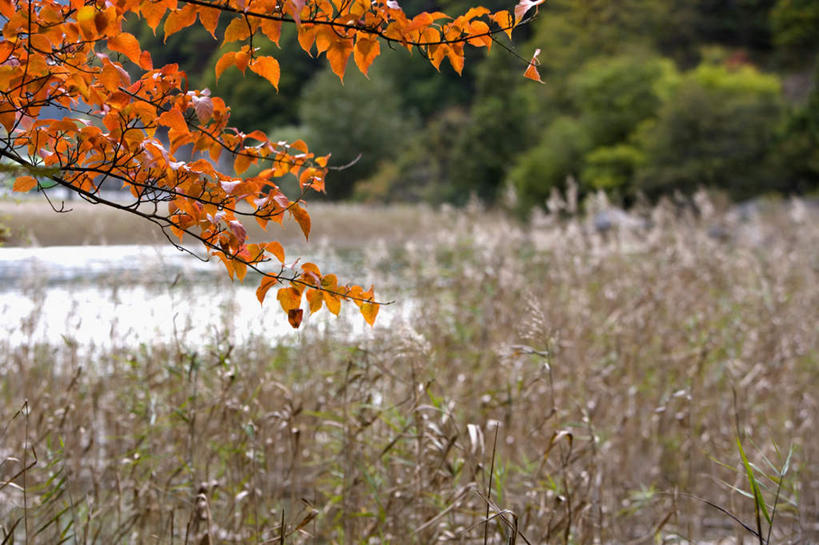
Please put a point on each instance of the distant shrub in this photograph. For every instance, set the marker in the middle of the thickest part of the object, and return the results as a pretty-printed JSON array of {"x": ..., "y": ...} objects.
[
  {"x": 795, "y": 26},
  {"x": 558, "y": 154},
  {"x": 614, "y": 94},
  {"x": 716, "y": 129},
  {"x": 612, "y": 168}
]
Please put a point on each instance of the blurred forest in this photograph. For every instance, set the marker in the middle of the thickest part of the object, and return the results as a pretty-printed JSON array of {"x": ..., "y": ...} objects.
[{"x": 642, "y": 97}]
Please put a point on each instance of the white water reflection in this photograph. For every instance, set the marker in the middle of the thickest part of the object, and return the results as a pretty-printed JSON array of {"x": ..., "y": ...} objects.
[{"x": 126, "y": 295}]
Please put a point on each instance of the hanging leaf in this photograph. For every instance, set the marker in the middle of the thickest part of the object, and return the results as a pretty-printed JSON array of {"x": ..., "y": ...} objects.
[
  {"x": 268, "y": 68},
  {"x": 289, "y": 298},
  {"x": 531, "y": 70},
  {"x": 294, "y": 317},
  {"x": 265, "y": 285},
  {"x": 303, "y": 219}
]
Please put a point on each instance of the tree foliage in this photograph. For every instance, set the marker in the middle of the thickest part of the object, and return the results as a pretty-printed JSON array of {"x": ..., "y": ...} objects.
[{"x": 84, "y": 106}]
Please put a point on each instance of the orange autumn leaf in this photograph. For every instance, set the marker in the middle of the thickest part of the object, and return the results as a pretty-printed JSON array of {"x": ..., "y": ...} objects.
[
  {"x": 237, "y": 30},
  {"x": 294, "y": 316},
  {"x": 531, "y": 70},
  {"x": 173, "y": 119},
  {"x": 209, "y": 17},
  {"x": 226, "y": 60},
  {"x": 369, "y": 311},
  {"x": 179, "y": 19},
  {"x": 268, "y": 68},
  {"x": 126, "y": 44},
  {"x": 303, "y": 219},
  {"x": 337, "y": 55},
  {"x": 333, "y": 302},
  {"x": 265, "y": 285},
  {"x": 241, "y": 60},
  {"x": 315, "y": 299},
  {"x": 366, "y": 50},
  {"x": 276, "y": 249},
  {"x": 272, "y": 29},
  {"x": 24, "y": 183}
]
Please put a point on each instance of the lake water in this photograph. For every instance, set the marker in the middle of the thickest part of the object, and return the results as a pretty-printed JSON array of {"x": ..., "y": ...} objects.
[{"x": 126, "y": 295}]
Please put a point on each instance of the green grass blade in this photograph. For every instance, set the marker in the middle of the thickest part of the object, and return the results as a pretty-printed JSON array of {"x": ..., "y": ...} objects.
[{"x": 758, "y": 499}]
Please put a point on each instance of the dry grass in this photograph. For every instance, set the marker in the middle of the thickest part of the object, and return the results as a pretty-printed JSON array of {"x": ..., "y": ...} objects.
[
  {"x": 595, "y": 379},
  {"x": 33, "y": 222}
]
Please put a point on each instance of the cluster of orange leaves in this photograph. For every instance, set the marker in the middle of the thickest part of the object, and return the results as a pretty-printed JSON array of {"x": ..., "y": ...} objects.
[{"x": 125, "y": 120}]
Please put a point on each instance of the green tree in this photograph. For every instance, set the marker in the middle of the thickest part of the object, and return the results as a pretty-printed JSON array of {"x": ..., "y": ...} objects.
[
  {"x": 557, "y": 155},
  {"x": 717, "y": 129},
  {"x": 496, "y": 132},
  {"x": 797, "y": 153},
  {"x": 614, "y": 94},
  {"x": 361, "y": 121},
  {"x": 795, "y": 26}
]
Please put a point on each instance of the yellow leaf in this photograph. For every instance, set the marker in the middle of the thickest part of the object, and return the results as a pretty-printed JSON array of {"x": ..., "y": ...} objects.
[
  {"x": 333, "y": 302},
  {"x": 307, "y": 35},
  {"x": 241, "y": 270},
  {"x": 85, "y": 18},
  {"x": 315, "y": 298},
  {"x": 289, "y": 298},
  {"x": 456, "y": 59},
  {"x": 329, "y": 282},
  {"x": 504, "y": 20},
  {"x": 24, "y": 183},
  {"x": 369, "y": 311},
  {"x": 242, "y": 59},
  {"x": 268, "y": 68}
]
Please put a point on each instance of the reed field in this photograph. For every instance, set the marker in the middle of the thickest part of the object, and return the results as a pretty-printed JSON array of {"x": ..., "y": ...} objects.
[{"x": 545, "y": 382}]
